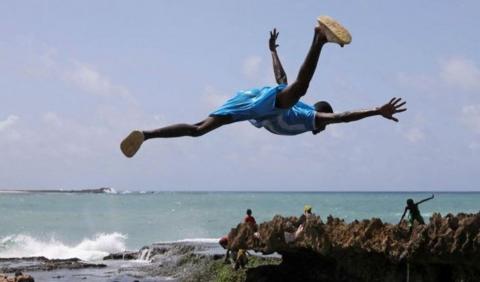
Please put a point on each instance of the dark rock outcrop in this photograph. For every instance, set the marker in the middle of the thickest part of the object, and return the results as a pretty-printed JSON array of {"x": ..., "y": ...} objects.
[
  {"x": 122, "y": 256},
  {"x": 445, "y": 249},
  {"x": 102, "y": 190},
  {"x": 19, "y": 277},
  {"x": 12, "y": 265}
]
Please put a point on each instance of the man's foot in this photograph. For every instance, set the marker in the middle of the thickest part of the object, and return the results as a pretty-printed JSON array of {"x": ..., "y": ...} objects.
[
  {"x": 333, "y": 31},
  {"x": 132, "y": 143}
]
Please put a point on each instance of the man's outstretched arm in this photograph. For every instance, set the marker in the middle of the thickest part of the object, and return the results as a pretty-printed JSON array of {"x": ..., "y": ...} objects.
[
  {"x": 280, "y": 74},
  {"x": 424, "y": 200},
  {"x": 387, "y": 111}
]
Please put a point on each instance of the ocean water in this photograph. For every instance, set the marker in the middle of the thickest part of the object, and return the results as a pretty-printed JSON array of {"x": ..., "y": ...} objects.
[{"x": 89, "y": 226}]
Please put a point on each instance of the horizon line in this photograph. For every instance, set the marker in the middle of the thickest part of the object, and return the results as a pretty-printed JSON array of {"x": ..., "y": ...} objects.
[{"x": 66, "y": 190}]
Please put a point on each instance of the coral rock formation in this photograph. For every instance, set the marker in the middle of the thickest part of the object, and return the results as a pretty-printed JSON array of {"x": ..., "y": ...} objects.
[{"x": 445, "y": 249}]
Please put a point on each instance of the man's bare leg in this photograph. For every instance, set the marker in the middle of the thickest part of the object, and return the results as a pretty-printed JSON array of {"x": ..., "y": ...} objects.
[
  {"x": 290, "y": 95},
  {"x": 132, "y": 143},
  {"x": 192, "y": 130},
  {"x": 327, "y": 30}
]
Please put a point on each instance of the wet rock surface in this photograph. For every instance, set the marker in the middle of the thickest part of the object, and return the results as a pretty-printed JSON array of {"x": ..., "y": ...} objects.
[
  {"x": 156, "y": 262},
  {"x": 122, "y": 256},
  {"x": 12, "y": 265},
  {"x": 445, "y": 249}
]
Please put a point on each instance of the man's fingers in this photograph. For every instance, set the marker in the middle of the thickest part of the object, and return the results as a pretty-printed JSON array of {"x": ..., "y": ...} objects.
[
  {"x": 391, "y": 101},
  {"x": 400, "y": 110},
  {"x": 399, "y": 105},
  {"x": 396, "y": 101},
  {"x": 394, "y": 119}
]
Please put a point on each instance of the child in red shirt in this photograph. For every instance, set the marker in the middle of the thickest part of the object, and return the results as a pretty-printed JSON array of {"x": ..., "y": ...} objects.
[{"x": 249, "y": 218}]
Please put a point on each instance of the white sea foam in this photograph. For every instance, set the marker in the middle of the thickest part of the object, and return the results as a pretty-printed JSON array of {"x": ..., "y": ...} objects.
[
  {"x": 110, "y": 191},
  {"x": 88, "y": 249}
]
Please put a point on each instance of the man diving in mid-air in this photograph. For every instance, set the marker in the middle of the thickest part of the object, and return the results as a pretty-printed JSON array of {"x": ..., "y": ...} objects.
[{"x": 278, "y": 109}]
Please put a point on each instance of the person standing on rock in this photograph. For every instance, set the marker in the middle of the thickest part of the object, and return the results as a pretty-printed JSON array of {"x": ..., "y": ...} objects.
[
  {"x": 414, "y": 213},
  {"x": 276, "y": 108}
]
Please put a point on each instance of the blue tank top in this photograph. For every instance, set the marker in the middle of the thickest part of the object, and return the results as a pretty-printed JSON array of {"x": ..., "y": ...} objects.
[{"x": 296, "y": 120}]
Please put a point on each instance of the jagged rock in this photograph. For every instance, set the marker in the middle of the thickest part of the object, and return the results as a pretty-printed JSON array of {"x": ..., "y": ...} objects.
[
  {"x": 445, "y": 249},
  {"x": 122, "y": 256},
  {"x": 12, "y": 265},
  {"x": 19, "y": 277}
]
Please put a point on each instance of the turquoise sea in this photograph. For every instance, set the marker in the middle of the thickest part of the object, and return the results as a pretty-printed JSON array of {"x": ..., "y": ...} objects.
[{"x": 88, "y": 226}]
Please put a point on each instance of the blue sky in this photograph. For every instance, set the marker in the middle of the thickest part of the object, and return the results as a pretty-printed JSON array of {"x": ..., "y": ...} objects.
[{"x": 77, "y": 76}]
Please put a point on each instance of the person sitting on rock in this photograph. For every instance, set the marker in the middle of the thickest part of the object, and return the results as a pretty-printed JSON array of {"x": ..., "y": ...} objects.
[
  {"x": 307, "y": 213},
  {"x": 300, "y": 224},
  {"x": 252, "y": 222},
  {"x": 414, "y": 213},
  {"x": 249, "y": 218}
]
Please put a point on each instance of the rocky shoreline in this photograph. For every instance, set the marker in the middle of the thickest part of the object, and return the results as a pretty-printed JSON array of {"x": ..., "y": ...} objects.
[
  {"x": 178, "y": 261},
  {"x": 445, "y": 249}
]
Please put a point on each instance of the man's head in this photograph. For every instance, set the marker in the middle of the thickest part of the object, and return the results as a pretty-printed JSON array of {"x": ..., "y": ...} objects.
[
  {"x": 322, "y": 107},
  {"x": 249, "y": 212},
  {"x": 307, "y": 209},
  {"x": 223, "y": 242},
  {"x": 410, "y": 202}
]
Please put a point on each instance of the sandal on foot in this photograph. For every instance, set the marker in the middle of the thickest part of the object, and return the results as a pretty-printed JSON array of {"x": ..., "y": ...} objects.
[
  {"x": 334, "y": 31},
  {"x": 132, "y": 143}
]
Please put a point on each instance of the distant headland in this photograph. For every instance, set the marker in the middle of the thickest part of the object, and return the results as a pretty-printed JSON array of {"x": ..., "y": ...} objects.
[{"x": 102, "y": 190}]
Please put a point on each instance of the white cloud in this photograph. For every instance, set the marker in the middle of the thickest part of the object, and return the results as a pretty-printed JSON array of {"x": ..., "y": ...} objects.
[
  {"x": 42, "y": 65},
  {"x": 415, "y": 130},
  {"x": 462, "y": 73},
  {"x": 456, "y": 71},
  {"x": 86, "y": 77},
  {"x": 471, "y": 117},
  {"x": 415, "y": 135},
  {"x": 421, "y": 82},
  {"x": 11, "y": 119},
  {"x": 213, "y": 98},
  {"x": 52, "y": 119},
  {"x": 61, "y": 137},
  {"x": 251, "y": 67},
  {"x": 474, "y": 146}
]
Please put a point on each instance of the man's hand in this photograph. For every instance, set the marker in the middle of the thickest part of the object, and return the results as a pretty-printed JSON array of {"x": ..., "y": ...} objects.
[
  {"x": 272, "y": 44},
  {"x": 391, "y": 108}
]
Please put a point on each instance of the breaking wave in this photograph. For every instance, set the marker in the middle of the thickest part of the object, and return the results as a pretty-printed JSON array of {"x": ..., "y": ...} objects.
[{"x": 89, "y": 249}]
